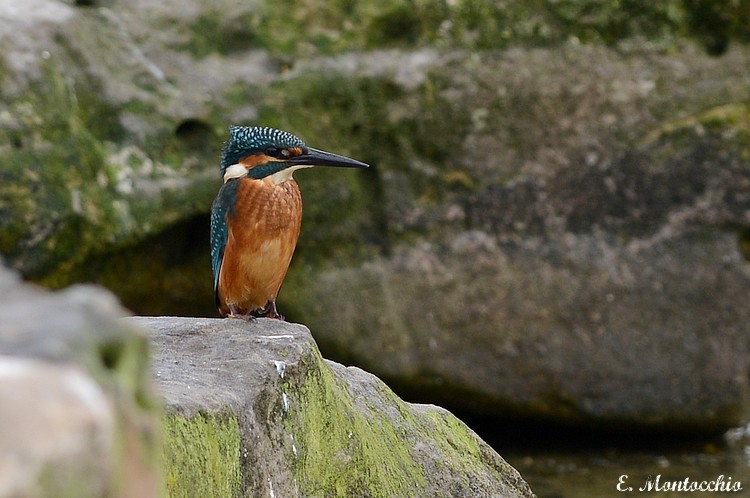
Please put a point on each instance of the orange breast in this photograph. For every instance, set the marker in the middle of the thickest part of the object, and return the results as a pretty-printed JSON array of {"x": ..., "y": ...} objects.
[{"x": 262, "y": 233}]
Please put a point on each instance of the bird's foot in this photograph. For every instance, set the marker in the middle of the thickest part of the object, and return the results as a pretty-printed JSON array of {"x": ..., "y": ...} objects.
[
  {"x": 269, "y": 311},
  {"x": 233, "y": 313}
]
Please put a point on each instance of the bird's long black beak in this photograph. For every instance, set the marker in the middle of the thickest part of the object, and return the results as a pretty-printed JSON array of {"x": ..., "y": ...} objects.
[{"x": 315, "y": 157}]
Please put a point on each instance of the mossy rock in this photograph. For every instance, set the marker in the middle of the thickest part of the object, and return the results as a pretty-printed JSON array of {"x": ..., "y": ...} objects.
[{"x": 254, "y": 408}]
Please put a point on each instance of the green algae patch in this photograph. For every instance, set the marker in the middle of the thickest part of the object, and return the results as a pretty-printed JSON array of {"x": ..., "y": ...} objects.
[
  {"x": 202, "y": 455},
  {"x": 344, "y": 449},
  {"x": 464, "y": 452}
]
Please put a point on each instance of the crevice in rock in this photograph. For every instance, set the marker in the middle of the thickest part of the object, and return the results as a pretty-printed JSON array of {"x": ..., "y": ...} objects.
[{"x": 195, "y": 134}]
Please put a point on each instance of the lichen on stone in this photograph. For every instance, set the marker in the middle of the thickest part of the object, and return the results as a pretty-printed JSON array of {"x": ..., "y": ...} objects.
[
  {"x": 202, "y": 455},
  {"x": 342, "y": 450}
]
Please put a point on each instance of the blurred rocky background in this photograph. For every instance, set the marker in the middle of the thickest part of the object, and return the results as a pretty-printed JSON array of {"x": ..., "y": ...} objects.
[
  {"x": 556, "y": 226},
  {"x": 80, "y": 417}
]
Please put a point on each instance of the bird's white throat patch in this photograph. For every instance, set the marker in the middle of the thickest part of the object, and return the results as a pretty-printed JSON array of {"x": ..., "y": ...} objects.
[
  {"x": 234, "y": 171},
  {"x": 238, "y": 171},
  {"x": 285, "y": 174}
]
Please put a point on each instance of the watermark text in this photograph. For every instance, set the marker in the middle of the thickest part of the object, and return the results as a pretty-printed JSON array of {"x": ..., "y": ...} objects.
[{"x": 721, "y": 484}]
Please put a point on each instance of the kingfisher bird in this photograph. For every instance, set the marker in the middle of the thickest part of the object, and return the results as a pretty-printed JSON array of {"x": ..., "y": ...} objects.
[{"x": 256, "y": 217}]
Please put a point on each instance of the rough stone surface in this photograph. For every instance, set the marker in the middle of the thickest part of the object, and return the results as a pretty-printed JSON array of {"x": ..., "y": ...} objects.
[
  {"x": 78, "y": 417},
  {"x": 254, "y": 407},
  {"x": 577, "y": 251},
  {"x": 555, "y": 225}
]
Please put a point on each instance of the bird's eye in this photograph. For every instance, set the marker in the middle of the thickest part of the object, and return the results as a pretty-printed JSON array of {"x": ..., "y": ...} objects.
[{"x": 272, "y": 151}]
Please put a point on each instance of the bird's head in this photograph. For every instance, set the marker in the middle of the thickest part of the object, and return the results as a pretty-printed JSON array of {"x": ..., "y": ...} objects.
[{"x": 262, "y": 152}]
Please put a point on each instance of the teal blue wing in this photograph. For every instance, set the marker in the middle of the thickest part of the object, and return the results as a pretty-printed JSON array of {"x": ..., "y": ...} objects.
[{"x": 222, "y": 208}]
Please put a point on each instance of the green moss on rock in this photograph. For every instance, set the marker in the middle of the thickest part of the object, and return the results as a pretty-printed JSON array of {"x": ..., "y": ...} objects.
[
  {"x": 344, "y": 451},
  {"x": 52, "y": 200},
  {"x": 733, "y": 118},
  {"x": 214, "y": 32},
  {"x": 468, "y": 455},
  {"x": 354, "y": 437},
  {"x": 313, "y": 26},
  {"x": 202, "y": 455}
]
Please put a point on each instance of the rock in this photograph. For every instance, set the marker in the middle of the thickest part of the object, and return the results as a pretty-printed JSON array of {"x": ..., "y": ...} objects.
[
  {"x": 78, "y": 416},
  {"x": 591, "y": 272},
  {"x": 82, "y": 99},
  {"x": 254, "y": 410},
  {"x": 555, "y": 225}
]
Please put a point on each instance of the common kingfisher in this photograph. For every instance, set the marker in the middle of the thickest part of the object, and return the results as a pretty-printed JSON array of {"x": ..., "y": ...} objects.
[{"x": 256, "y": 217}]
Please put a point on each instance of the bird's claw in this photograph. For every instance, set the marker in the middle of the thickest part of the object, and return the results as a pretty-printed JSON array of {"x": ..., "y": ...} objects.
[
  {"x": 269, "y": 311},
  {"x": 233, "y": 313}
]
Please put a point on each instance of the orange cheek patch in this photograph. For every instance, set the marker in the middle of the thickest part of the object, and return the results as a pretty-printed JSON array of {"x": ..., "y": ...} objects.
[{"x": 256, "y": 160}]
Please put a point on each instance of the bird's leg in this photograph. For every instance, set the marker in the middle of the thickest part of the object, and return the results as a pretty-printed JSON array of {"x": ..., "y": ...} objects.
[
  {"x": 233, "y": 313},
  {"x": 270, "y": 311}
]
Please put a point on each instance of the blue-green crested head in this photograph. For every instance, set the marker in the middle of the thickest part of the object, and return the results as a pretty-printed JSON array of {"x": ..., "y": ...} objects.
[{"x": 248, "y": 140}]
